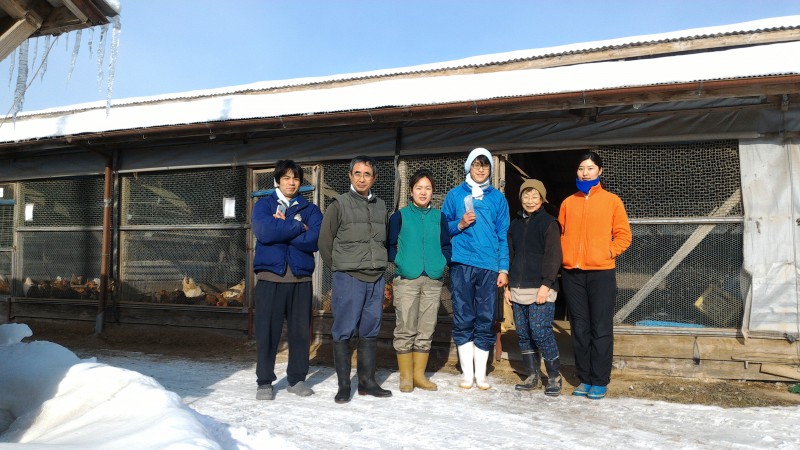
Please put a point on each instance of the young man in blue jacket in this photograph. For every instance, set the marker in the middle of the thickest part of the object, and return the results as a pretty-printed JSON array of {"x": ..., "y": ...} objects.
[
  {"x": 286, "y": 227},
  {"x": 478, "y": 219}
]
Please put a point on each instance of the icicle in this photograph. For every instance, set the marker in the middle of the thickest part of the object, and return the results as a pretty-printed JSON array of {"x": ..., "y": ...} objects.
[
  {"x": 22, "y": 78},
  {"x": 101, "y": 50},
  {"x": 75, "y": 49},
  {"x": 11, "y": 66},
  {"x": 89, "y": 44},
  {"x": 43, "y": 69},
  {"x": 35, "y": 54},
  {"x": 112, "y": 63}
]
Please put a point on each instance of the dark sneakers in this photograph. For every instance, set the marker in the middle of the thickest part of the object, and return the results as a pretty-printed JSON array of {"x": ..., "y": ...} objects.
[
  {"x": 264, "y": 392},
  {"x": 300, "y": 389}
]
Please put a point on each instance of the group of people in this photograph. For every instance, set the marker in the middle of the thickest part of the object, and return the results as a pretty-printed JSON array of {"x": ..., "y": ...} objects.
[{"x": 473, "y": 236}]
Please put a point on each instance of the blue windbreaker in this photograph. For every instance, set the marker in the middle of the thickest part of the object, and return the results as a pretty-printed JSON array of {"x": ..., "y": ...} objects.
[{"x": 483, "y": 244}]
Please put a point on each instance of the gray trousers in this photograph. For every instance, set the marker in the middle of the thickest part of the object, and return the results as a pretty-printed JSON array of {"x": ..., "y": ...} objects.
[{"x": 416, "y": 304}]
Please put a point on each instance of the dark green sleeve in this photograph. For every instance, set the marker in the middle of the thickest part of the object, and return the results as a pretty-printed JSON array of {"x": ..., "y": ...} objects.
[{"x": 327, "y": 233}]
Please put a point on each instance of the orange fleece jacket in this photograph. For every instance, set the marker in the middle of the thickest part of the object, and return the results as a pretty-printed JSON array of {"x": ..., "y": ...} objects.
[{"x": 594, "y": 229}]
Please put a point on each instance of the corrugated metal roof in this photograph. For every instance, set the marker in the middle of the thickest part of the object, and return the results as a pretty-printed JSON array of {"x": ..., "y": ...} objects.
[
  {"x": 759, "y": 26},
  {"x": 386, "y": 89}
]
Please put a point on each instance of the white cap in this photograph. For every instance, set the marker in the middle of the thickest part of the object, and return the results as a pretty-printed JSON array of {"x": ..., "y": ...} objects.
[{"x": 474, "y": 154}]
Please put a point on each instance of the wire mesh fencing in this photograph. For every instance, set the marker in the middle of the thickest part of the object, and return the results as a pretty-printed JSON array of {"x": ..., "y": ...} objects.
[
  {"x": 6, "y": 277},
  {"x": 684, "y": 266},
  {"x": 60, "y": 203},
  {"x": 675, "y": 180},
  {"x": 61, "y": 264},
  {"x": 7, "y": 204},
  {"x": 183, "y": 237},
  {"x": 701, "y": 286},
  {"x": 184, "y": 266},
  {"x": 59, "y": 236},
  {"x": 199, "y": 197}
]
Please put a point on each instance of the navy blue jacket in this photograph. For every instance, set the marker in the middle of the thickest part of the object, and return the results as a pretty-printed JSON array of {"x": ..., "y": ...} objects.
[{"x": 281, "y": 242}]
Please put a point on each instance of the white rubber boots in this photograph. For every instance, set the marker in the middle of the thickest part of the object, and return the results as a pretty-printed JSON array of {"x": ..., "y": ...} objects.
[
  {"x": 466, "y": 354},
  {"x": 481, "y": 359},
  {"x": 473, "y": 366}
]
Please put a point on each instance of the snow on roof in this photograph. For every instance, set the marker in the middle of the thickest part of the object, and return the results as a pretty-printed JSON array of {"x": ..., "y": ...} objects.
[{"x": 265, "y": 100}]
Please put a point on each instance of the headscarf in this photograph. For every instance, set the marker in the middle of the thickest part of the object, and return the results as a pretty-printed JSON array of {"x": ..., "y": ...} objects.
[{"x": 477, "y": 189}]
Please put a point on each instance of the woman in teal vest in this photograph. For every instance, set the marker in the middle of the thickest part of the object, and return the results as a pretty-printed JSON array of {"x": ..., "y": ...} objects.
[{"x": 419, "y": 246}]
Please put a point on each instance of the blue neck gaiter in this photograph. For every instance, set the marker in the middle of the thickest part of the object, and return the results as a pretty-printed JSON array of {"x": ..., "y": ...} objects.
[{"x": 585, "y": 186}]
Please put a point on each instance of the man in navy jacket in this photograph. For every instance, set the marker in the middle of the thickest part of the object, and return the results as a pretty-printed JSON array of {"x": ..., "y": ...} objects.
[{"x": 286, "y": 227}]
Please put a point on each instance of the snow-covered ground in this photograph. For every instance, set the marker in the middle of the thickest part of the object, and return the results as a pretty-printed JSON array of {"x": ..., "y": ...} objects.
[{"x": 48, "y": 396}]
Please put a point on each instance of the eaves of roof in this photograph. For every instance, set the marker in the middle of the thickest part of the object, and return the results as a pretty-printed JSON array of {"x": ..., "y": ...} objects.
[{"x": 781, "y": 88}]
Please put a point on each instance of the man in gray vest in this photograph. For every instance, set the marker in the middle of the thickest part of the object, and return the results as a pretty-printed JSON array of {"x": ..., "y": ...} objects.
[{"x": 352, "y": 242}]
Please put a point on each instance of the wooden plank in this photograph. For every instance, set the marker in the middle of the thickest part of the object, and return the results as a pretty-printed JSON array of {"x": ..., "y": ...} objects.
[
  {"x": 20, "y": 311},
  {"x": 14, "y": 36},
  {"x": 789, "y": 357},
  {"x": 60, "y": 20},
  {"x": 4, "y": 310},
  {"x": 217, "y": 318},
  {"x": 709, "y": 347},
  {"x": 88, "y": 9},
  {"x": 725, "y": 370},
  {"x": 782, "y": 370},
  {"x": 13, "y": 8},
  {"x": 691, "y": 242}
]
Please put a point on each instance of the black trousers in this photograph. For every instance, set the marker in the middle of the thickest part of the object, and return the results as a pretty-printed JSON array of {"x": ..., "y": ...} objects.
[
  {"x": 590, "y": 299},
  {"x": 274, "y": 303}
]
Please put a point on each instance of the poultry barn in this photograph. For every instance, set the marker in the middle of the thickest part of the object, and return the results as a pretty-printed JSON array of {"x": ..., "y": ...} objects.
[{"x": 701, "y": 149}]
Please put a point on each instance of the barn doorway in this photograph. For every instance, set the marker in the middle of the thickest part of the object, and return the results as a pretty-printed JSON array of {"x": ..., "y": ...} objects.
[{"x": 556, "y": 169}]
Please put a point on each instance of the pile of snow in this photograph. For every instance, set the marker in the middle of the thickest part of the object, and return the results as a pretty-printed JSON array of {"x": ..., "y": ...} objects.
[{"x": 50, "y": 396}]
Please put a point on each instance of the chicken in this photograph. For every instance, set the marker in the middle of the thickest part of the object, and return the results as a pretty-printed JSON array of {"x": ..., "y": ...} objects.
[
  {"x": 5, "y": 288},
  {"x": 190, "y": 288},
  {"x": 388, "y": 297},
  {"x": 92, "y": 290},
  {"x": 76, "y": 280},
  {"x": 60, "y": 288},
  {"x": 26, "y": 286},
  {"x": 234, "y": 292},
  {"x": 176, "y": 297}
]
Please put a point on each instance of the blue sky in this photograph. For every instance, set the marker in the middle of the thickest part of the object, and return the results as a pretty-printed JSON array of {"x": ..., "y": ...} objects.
[{"x": 182, "y": 45}]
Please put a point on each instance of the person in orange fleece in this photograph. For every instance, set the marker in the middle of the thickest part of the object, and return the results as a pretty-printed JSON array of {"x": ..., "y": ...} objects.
[{"x": 594, "y": 232}]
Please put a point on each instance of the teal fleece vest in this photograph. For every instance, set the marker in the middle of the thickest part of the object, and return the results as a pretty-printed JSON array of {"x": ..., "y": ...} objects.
[{"x": 419, "y": 246}]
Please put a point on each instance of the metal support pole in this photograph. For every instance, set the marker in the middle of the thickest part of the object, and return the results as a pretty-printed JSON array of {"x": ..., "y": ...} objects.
[{"x": 105, "y": 250}]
